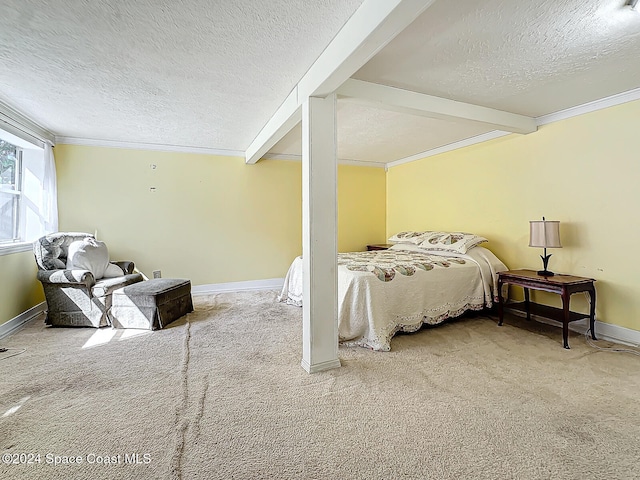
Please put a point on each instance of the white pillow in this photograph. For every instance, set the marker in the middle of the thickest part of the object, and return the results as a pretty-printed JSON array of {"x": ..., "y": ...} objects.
[
  {"x": 457, "y": 242},
  {"x": 88, "y": 254},
  {"x": 414, "y": 238}
]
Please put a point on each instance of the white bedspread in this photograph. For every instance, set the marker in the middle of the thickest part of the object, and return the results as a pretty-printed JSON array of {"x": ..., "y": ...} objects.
[{"x": 383, "y": 292}]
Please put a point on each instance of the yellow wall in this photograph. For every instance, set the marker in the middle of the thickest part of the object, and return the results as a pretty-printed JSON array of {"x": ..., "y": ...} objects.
[
  {"x": 214, "y": 219},
  {"x": 211, "y": 219},
  {"x": 19, "y": 289},
  {"x": 361, "y": 207},
  {"x": 583, "y": 171}
]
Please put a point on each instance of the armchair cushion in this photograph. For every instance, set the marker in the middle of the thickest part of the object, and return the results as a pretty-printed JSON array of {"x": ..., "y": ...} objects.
[{"x": 104, "y": 287}]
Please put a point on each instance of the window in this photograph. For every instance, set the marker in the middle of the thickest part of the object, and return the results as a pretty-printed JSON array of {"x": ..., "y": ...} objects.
[
  {"x": 28, "y": 198},
  {"x": 10, "y": 192}
]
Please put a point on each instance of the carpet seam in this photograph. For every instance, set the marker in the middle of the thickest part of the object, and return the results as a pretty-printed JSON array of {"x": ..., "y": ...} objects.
[
  {"x": 200, "y": 412},
  {"x": 181, "y": 421}
]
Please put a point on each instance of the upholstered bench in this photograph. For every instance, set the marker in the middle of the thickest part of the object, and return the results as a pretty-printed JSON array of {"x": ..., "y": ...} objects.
[{"x": 152, "y": 304}]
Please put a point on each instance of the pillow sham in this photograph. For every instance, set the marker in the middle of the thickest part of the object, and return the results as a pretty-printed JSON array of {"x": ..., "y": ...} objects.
[
  {"x": 414, "y": 238},
  {"x": 457, "y": 242},
  {"x": 88, "y": 254}
]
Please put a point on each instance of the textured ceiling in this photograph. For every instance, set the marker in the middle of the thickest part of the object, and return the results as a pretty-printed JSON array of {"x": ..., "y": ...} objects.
[
  {"x": 531, "y": 58},
  {"x": 179, "y": 72},
  {"x": 210, "y": 74}
]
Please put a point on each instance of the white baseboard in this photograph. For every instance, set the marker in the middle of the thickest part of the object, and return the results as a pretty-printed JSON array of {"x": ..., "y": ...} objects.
[
  {"x": 604, "y": 331},
  {"x": 268, "y": 284},
  {"x": 15, "y": 323},
  {"x": 12, "y": 325}
]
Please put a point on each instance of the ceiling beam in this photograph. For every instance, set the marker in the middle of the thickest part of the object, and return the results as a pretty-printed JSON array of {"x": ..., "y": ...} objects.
[
  {"x": 288, "y": 115},
  {"x": 414, "y": 103},
  {"x": 373, "y": 25}
]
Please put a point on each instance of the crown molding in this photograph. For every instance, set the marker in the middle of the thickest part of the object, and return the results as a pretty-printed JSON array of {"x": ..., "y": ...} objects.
[
  {"x": 42, "y": 134},
  {"x": 611, "y": 101},
  {"x": 358, "y": 163},
  {"x": 290, "y": 157},
  {"x": 147, "y": 146},
  {"x": 341, "y": 161},
  {"x": 451, "y": 146},
  {"x": 14, "y": 122},
  {"x": 201, "y": 150}
]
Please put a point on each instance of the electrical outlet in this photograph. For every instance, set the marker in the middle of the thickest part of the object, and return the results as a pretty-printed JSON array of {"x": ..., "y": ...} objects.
[{"x": 157, "y": 274}]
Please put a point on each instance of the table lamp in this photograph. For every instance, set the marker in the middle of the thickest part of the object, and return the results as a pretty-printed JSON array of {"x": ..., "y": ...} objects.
[{"x": 544, "y": 234}]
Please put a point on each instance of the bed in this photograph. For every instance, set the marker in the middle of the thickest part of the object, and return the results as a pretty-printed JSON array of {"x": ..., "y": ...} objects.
[{"x": 381, "y": 293}]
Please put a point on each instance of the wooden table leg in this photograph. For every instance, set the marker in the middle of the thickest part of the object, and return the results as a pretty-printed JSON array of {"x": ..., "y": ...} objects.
[
  {"x": 500, "y": 306},
  {"x": 592, "y": 312},
  {"x": 566, "y": 297},
  {"x": 526, "y": 302}
]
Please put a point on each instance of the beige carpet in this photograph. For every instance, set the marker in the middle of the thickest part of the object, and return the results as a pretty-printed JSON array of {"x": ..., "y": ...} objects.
[{"x": 221, "y": 394}]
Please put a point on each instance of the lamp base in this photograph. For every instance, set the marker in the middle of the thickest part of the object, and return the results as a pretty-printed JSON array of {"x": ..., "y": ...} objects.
[{"x": 545, "y": 273}]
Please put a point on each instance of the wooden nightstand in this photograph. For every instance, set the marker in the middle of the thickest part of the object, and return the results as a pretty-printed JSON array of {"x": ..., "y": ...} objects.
[
  {"x": 565, "y": 285},
  {"x": 379, "y": 246}
]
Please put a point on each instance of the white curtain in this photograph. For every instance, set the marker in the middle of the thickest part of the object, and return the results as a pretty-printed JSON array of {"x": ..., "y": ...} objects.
[{"x": 49, "y": 207}]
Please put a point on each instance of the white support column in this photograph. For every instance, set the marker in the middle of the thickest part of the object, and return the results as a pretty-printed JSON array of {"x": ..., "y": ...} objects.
[{"x": 319, "y": 235}]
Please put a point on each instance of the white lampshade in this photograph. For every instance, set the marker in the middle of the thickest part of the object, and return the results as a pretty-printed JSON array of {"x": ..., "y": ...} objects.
[{"x": 544, "y": 234}]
